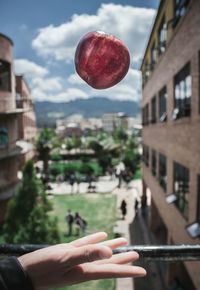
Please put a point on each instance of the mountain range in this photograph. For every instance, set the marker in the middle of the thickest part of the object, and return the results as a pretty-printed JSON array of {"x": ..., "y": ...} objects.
[{"x": 48, "y": 112}]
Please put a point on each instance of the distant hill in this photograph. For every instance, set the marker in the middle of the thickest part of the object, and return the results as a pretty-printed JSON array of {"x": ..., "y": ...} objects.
[{"x": 48, "y": 112}]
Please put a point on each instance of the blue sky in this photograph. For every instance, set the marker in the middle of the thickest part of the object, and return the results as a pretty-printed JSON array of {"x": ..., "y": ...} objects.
[{"x": 46, "y": 32}]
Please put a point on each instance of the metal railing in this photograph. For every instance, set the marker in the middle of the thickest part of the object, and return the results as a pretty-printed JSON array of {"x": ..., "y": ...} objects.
[{"x": 166, "y": 253}]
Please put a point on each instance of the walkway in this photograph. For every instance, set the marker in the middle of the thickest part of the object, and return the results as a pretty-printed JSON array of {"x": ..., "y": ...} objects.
[
  {"x": 103, "y": 185},
  {"x": 133, "y": 227},
  {"x": 130, "y": 195}
]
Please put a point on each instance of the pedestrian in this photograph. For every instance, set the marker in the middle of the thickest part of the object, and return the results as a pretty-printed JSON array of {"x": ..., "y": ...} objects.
[
  {"x": 78, "y": 223},
  {"x": 70, "y": 263},
  {"x": 78, "y": 181},
  {"x": 70, "y": 221},
  {"x": 119, "y": 176},
  {"x": 71, "y": 182},
  {"x": 144, "y": 204},
  {"x": 123, "y": 208},
  {"x": 136, "y": 205}
]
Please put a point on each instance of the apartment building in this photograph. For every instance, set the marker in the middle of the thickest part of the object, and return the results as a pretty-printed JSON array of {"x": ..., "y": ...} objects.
[
  {"x": 171, "y": 132},
  {"x": 111, "y": 121},
  {"x": 14, "y": 134}
]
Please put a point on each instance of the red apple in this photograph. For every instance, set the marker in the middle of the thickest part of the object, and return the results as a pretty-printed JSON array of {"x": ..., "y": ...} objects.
[{"x": 101, "y": 59}]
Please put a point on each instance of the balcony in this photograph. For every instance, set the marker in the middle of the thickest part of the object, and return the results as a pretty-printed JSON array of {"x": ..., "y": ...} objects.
[
  {"x": 23, "y": 103},
  {"x": 10, "y": 150},
  {"x": 8, "y": 189}
]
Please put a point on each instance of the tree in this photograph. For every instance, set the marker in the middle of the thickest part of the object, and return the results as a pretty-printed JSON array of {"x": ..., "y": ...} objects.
[
  {"x": 44, "y": 145},
  {"x": 131, "y": 160},
  {"x": 27, "y": 219},
  {"x": 121, "y": 135}
]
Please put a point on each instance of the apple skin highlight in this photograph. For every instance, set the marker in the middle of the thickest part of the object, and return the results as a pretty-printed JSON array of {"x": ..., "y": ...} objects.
[{"x": 101, "y": 59}]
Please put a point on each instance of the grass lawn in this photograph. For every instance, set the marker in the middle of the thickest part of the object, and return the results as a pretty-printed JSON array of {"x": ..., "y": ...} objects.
[{"x": 99, "y": 210}]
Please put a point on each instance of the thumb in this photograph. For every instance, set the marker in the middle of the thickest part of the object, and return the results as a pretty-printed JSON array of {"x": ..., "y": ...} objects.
[{"x": 87, "y": 254}]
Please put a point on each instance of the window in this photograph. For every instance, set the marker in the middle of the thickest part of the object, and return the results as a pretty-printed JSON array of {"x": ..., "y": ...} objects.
[
  {"x": 146, "y": 155},
  {"x": 162, "y": 36},
  {"x": 145, "y": 73},
  {"x": 163, "y": 105},
  {"x": 153, "y": 162},
  {"x": 180, "y": 7},
  {"x": 153, "y": 56},
  {"x": 5, "y": 76},
  {"x": 145, "y": 115},
  {"x": 182, "y": 93},
  {"x": 153, "y": 110},
  {"x": 3, "y": 137},
  {"x": 198, "y": 201},
  {"x": 181, "y": 188},
  {"x": 162, "y": 171}
]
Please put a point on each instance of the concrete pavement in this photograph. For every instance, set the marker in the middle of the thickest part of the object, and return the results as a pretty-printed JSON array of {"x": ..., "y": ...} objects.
[
  {"x": 103, "y": 185},
  {"x": 122, "y": 228}
]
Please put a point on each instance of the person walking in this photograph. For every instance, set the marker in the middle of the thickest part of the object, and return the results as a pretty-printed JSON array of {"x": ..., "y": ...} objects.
[
  {"x": 123, "y": 208},
  {"x": 71, "y": 182},
  {"x": 70, "y": 221},
  {"x": 136, "y": 205},
  {"x": 80, "y": 223}
]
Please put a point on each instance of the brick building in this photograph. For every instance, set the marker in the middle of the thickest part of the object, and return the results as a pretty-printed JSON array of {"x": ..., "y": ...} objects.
[
  {"x": 171, "y": 132},
  {"x": 14, "y": 148}
]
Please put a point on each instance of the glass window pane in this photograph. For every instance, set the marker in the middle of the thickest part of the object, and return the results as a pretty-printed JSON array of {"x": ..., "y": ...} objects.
[
  {"x": 181, "y": 188},
  {"x": 5, "y": 76}
]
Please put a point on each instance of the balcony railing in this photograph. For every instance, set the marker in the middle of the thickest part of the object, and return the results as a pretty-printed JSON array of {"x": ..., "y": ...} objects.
[
  {"x": 10, "y": 149},
  {"x": 165, "y": 253}
]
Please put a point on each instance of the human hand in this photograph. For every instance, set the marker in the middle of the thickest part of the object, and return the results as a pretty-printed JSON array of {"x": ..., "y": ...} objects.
[{"x": 79, "y": 261}]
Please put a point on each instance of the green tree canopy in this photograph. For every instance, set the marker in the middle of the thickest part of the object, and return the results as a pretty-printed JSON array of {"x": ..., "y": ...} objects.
[{"x": 28, "y": 219}]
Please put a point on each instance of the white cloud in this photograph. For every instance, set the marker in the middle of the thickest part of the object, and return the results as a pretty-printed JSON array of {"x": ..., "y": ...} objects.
[
  {"x": 128, "y": 23},
  {"x": 49, "y": 84},
  {"x": 66, "y": 96},
  {"x": 57, "y": 44},
  {"x": 74, "y": 79},
  {"x": 127, "y": 89},
  {"x": 29, "y": 68}
]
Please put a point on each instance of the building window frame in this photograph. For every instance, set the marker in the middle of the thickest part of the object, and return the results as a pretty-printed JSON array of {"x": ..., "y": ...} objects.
[
  {"x": 145, "y": 115},
  {"x": 181, "y": 176},
  {"x": 153, "y": 55},
  {"x": 154, "y": 162},
  {"x": 3, "y": 137},
  {"x": 182, "y": 93},
  {"x": 163, "y": 104},
  {"x": 154, "y": 110},
  {"x": 162, "y": 36},
  {"x": 5, "y": 76},
  {"x": 163, "y": 171},
  {"x": 180, "y": 7},
  {"x": 145, "y": 155}
]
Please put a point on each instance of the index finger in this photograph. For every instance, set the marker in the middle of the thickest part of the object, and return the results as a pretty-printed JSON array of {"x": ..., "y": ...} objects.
[{"x": 91, "y": 239}]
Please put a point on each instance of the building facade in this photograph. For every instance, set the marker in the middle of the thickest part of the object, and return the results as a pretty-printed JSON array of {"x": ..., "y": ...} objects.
[
  {"x": 171, "y": 131},
  {"x": 13, "y": 145},
  {"x": 112, "y": 121}
]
